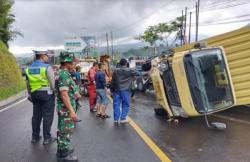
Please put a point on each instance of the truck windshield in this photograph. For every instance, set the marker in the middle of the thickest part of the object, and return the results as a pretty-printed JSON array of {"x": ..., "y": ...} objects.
[{"x": 208, "y": 80}]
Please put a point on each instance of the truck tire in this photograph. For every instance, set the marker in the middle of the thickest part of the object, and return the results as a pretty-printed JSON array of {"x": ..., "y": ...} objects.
[
  {"x": 140, "y": 86},
  {"x": 160, "y": 112}
]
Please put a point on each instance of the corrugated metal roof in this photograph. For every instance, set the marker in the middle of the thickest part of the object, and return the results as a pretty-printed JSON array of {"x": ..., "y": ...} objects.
[{"x": 237, "y": 48}]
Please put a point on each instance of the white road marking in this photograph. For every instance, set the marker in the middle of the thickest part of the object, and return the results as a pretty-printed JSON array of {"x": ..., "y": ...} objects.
[{"x": 14, "y": 104}]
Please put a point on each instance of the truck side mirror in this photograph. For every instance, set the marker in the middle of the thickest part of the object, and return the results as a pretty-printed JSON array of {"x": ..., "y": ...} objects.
[
  {"x": 200, "y": 45},
  {"x": 146, "y": 66}
]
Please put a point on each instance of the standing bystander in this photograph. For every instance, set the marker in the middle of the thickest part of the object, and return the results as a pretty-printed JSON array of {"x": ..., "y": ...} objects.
[
  {"x": 101, "y": 92},
  {"x": 91, "y": 87},
  {"x": 121, "y": 88}
]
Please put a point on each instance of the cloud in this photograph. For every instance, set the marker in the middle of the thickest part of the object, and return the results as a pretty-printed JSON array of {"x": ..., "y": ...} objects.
[
  {"x": 48, "y": 22},
  {"x": 19, "y": 50}
]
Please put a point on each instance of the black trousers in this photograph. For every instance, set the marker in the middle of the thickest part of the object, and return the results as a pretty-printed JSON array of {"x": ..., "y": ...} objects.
[{"x": 43, "y": 109}]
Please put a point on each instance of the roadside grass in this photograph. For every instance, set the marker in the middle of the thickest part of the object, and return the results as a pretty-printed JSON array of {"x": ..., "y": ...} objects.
[
  {"x": 11, "y": 81},
  {"x": 10, "y": 91}
]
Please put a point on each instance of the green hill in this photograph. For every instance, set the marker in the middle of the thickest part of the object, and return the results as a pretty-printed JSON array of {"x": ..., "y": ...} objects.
[{"x": 11, "y": 81}]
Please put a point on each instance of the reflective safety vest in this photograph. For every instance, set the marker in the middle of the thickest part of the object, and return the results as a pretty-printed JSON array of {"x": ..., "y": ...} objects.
[{"x": 37, "y": 77}]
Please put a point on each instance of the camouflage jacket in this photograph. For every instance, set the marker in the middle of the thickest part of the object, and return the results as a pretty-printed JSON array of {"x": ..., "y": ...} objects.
[{"x": 65, "y": 82}]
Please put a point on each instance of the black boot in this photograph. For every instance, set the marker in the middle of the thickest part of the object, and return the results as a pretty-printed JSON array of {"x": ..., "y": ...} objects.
[
  {"x": 78, "y": 120},
  {"x": 35, "y": 139},
  {"x": 49, "y": 140},
  {"x": 66, "y": 156},
  {"x": 62, "y": 153},
  {"x": 70, "y": 151}
]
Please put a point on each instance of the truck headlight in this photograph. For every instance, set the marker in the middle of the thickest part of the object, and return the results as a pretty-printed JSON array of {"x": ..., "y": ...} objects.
[{"x": 163, "y": 66}]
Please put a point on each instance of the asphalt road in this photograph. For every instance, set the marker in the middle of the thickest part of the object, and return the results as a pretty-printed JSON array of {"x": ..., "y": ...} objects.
[
  {"x": 101, "y": 140},
  {"x": 94, "y": 139},
  {"x": 191, "y": 140}
]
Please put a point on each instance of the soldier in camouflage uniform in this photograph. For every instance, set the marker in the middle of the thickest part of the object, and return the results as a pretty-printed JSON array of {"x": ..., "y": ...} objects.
[{"x": 68, "y": 92}]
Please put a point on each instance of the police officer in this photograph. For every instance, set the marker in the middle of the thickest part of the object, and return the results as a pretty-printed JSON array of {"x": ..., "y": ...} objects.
[
  {"x": 68, "y": 92},
  {"x": 40, "y": 84}
]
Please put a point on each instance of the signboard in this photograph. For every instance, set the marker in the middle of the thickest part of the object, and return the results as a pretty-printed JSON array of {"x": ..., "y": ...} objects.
[
  {"x": 80, "y": 45},
  {"x": 74, "y": 44},
  {"x": 90, "y": 41}
]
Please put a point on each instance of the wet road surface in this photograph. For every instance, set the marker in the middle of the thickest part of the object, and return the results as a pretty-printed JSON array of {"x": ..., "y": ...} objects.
[
  {"x": 94, "y": 139},
  {"x": 191, "y": 140},
  {"x": 97, "y": 140}
]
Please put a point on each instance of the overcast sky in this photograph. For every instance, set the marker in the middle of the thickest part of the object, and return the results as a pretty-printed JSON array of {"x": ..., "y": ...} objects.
[{"x": 45, "y": 23}]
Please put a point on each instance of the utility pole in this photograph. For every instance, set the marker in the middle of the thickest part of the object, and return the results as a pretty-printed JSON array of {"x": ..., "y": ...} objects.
[
  {"x": 197, "y": 7},
  {"x": 87, "y": 52},
  {"x": 190, "y": 25},
  {"x": 185, "y": 26},
  {"x": 112, "y": 45},
  {"x": 107, "y": 37},
  {"x": 182, "y": 17}
]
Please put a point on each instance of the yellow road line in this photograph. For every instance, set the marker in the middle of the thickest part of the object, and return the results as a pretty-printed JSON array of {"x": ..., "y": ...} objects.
[{"x": 158, "y": 152}]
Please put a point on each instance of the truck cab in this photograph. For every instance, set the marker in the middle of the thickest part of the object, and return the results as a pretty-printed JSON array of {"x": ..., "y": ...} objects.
[{"x": 193, "y": 82}]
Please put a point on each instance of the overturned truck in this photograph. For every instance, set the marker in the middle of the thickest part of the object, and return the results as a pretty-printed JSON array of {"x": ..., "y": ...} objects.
[{"x": 198, "y": 79}]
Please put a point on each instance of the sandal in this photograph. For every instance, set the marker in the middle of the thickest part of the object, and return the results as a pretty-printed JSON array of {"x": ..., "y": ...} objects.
[
  {"x": 105, "y": 116},
  {"x": 98, "y": 115}
]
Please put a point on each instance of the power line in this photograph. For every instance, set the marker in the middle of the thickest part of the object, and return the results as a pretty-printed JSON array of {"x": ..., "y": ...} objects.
[
  {"x": 145, "y": 17},
  {"x": 202, "y": 24},
  {"x": 227, "y": 22},
  {"x": 228, "y": 18},
  {"x": 219, "y": 3},
  {"x": 226, "y": 5},
  {"x": 214, "y": 6},
  {"x": 139, "y": 20}
]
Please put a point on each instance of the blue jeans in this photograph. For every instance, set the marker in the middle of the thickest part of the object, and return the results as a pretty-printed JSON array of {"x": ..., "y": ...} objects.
[
  {"x": 121, "y": 97},
  {"x": 102, "y": 97}
]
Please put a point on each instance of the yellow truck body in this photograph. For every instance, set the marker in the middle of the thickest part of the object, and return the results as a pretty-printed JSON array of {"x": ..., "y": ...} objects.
[
  {"x": 236, "y": 45},
  {"x": 174, "y": 91}
]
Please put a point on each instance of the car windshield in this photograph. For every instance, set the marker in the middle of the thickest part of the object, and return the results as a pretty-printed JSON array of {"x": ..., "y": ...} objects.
[
  {"x": 138, "y": 66},
  {"x": 208, "y": 80}
]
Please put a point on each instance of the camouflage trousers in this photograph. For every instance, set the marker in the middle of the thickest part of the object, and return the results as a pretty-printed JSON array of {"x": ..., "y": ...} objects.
[{"x": 65, "y": 130}]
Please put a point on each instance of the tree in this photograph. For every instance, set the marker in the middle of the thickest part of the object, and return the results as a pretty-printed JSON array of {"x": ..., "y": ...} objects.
[
  {"x": 6, "y": 21},
  {"x": 150, "y": 35},
  {"x": 164, "y": 30},
  {"x": 161, "y": 32},
  {"x": 177, "y": 26}
]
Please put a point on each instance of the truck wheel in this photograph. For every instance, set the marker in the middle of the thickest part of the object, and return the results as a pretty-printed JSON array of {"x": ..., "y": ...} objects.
[
  {"x": 160, "y": 112},
  {"x": 140, "y": 86}
]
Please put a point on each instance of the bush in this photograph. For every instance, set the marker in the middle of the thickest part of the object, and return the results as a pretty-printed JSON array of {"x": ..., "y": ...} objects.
[{"x": 11, "y": 81}]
